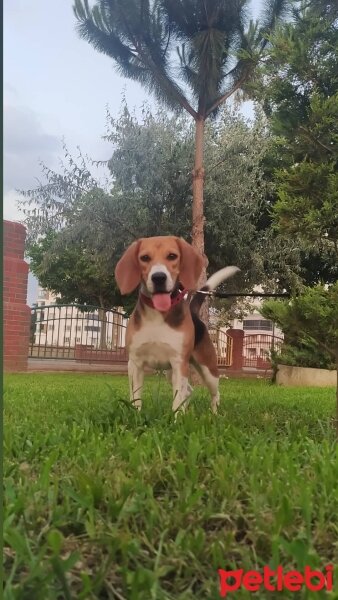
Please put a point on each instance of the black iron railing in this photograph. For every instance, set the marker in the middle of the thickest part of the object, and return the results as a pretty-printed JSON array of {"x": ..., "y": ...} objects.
[
  {"x": 77, "y": 332},
  {"x": 89, "y": 334},
  {"x": 257, "y": 349},
  {"x": 223, "y": 345}
]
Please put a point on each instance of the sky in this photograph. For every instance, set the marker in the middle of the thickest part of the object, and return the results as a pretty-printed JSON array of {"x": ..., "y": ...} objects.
[{"x": 55, "y": 87}]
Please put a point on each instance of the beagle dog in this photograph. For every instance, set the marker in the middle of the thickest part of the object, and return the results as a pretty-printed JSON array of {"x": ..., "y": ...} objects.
[{"x": 164, "y": 330}]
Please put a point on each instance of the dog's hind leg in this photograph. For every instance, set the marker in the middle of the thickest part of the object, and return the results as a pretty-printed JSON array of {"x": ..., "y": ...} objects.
[
  {"x": 211, "y": 381},
  {"x": 205, "y": 362}
]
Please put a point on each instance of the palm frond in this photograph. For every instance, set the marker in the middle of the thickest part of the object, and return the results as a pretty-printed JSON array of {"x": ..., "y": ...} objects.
[
  {"x": 272, "y": 12},
  {"x": 217, "y": 44},
  {"x": 133, "y": 34}
]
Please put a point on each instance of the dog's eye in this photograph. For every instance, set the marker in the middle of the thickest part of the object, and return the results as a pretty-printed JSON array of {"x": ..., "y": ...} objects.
[
  {"x": 145, "y": 258},
  {"x": 172, "y": 256}
]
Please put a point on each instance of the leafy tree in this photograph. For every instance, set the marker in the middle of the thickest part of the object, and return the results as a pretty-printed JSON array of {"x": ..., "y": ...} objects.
[
  {"x": 150, "y": 195},
  {"x": 76, "y": 274},
  {"x": 73, "y": 272},
  {"x": 217, "y": 51},
  {"x": 150, "y": 168},
  {"x": 300, "y": 93},
  {"x": 51, "y": 205},
  {"x": 310, "y": 319}
]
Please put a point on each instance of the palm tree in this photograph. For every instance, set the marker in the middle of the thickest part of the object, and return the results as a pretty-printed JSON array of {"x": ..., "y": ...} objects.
[{"x": 192, "y": 54}]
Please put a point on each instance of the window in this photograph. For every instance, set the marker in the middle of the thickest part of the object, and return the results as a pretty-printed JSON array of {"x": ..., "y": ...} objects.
[
  {"x": 68, "y": 328},
  {"x": 42, "y": 303},
  {"x": 42, "y": 327},
  {"x": 252, "y": 352},
  {"x": 50, "y": 327},
  {"x": 260, "y": 324},
  {"x": 78, "y": 327},
  {"x": 91, "y": 317},
  {"x": 66, "y": 339},
  {"x": 91, "y": 328},
  {"x": 78, "y": 339}
]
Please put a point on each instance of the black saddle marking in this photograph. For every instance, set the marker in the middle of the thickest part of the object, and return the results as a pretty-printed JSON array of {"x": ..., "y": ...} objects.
[{"x": 199, "y": 327}]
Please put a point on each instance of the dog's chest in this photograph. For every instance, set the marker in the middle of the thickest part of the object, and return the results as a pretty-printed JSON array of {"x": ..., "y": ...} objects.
[{"x": 156, "y": 344}]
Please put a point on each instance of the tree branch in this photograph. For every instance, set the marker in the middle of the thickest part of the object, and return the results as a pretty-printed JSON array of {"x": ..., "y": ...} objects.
[
  {"x": 123, "y": 225},
  {"x": 314, "y": 139},
  {"x": 166, "y": 82},
  {"x": 225, "y": 96},
  {"x": 316, "y": 340},
  {"x": 167, "y": 44},
  {"x": 217, "y": 164}
]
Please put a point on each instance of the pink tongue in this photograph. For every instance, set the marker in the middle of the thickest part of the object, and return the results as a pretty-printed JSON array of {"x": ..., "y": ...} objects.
[{"x": 161, "y": 302}]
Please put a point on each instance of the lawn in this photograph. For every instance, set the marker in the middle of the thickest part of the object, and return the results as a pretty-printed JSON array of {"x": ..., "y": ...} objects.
[{"x": 103, "y": 502}]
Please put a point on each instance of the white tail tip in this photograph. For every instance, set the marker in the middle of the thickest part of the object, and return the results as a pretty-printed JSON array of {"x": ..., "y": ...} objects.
[{"x": 217, "y": 278}]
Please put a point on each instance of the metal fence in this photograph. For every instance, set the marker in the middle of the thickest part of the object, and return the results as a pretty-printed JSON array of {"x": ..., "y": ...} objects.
[
  {"x": 77, "y": 332},
  {"x": 88, "y": 334},
  {"x": 223, "y": 345},
  {"x": 257, "y": 349}
]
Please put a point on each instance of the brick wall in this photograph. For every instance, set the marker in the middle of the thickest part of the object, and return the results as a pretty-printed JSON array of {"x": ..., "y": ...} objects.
[
  {"x": 17, "y": 315},
  {"x": 237, "y": 348}
]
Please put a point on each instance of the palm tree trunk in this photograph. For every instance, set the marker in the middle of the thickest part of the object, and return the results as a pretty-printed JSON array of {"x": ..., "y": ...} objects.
[{"x": 198, "y": 208}]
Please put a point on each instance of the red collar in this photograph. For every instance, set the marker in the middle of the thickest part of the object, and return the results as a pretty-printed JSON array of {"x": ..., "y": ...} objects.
[{"x": 174, "y": 299}]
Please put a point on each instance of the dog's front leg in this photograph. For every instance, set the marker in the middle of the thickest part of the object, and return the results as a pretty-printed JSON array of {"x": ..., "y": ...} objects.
[
  {"x": 180, "y": 383},
  {"x": 136, "y": 376}
]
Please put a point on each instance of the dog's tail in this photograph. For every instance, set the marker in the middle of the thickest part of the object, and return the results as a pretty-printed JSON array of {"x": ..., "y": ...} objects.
[{"x": 212, "y": 283}]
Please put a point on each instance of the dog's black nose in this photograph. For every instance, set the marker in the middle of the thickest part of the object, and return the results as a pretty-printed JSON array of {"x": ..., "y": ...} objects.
[{"x": 159, "y": 278}]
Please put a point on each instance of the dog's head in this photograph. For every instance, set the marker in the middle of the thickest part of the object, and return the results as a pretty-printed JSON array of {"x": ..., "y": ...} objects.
[{"x": 159, "y": 263}]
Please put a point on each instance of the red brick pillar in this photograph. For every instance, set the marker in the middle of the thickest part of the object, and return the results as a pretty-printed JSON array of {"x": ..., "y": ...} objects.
[
  {"x": 17, "y": 315},
  {"x": 237, "y": 348}
]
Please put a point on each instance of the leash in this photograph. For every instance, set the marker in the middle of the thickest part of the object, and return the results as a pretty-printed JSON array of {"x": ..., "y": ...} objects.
[
  {"x": 243, "y": 294},
  {"x": 182, "y": 295}
]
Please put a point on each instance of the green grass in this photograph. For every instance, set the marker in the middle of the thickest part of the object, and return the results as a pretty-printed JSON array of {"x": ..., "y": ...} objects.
[{"x": 103, "y": 502}]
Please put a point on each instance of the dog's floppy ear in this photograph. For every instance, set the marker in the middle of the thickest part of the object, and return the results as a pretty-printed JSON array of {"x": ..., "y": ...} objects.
[
  {"x": 127, "y": 270},
  {"x": 191, "y": 265}
]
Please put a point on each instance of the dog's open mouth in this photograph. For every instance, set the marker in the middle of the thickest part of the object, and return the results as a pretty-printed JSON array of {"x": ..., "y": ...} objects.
[{"x": 162, "y": 302}]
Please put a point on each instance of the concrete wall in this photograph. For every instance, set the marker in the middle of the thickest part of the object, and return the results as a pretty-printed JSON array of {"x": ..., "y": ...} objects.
[
  {"x": 17, "y": 315},
  {"x": 287, "y": 375}
]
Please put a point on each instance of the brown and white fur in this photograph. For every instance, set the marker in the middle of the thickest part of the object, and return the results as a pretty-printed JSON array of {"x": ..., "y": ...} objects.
[{"x": 175, "y": 338}]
